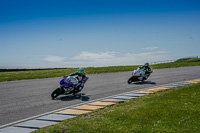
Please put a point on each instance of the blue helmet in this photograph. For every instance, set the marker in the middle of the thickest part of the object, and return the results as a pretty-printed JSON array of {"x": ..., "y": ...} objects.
[{"x": 146, "y": 64}]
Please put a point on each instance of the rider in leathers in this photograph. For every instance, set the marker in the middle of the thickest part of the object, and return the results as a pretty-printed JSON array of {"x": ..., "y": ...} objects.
[
  {"x": 147, "y": 70},
  {"x": 81, "y": 76}
]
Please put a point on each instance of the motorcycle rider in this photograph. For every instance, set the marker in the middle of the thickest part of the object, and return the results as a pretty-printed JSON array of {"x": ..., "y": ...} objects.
[
  {"x": 81, "y": 77},
  {"x": 147, "y": 70}
]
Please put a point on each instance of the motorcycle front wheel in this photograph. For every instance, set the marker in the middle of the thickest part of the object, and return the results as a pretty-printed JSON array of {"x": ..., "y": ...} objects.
[
  {"x": 55, "y": 93},
  {"x": 130, "y": 80}
]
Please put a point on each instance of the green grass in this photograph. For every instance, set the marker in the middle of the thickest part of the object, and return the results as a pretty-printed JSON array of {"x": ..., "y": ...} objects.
[
  {"x": 189, "y": 60},
  {"x": 178, "y": 63},
  {"x": 36, "y": 74},
  {"x": 172, "y": 111}
]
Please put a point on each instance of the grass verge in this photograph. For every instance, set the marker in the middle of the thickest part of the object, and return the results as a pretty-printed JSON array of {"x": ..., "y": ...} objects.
[
  {"x": 36, "y": 74},
  {"x": 172, "y": 111}
]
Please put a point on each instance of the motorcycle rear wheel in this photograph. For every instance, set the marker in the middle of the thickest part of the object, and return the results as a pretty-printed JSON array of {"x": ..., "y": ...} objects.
[{"x": 55, "y": 93}]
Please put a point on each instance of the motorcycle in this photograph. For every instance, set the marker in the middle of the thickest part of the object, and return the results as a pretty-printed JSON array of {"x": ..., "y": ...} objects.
[
  {"x": 67, "y": 86},
  {"x": 138, "y": 75}
]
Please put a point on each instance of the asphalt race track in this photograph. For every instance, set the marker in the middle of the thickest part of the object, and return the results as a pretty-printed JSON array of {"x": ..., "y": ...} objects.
[{"x": 27, "y": 98}]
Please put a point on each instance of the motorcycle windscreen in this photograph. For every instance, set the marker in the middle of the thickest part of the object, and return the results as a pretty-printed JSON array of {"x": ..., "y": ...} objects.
[{"x": 71, "y": 80}]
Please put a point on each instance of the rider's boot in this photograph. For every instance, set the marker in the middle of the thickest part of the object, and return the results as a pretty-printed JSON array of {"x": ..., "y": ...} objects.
[
  {"x": 75, "y": 90},
  {"x": 80, "y": 88}
]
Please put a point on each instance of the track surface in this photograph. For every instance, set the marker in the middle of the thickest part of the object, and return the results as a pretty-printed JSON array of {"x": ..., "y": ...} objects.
[{"x": 27, "y": 98}]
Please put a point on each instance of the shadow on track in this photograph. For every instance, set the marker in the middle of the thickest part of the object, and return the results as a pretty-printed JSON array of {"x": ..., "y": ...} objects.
[
  {"x": 145, "y": 82},
  {"x": 80, "y": 96}
]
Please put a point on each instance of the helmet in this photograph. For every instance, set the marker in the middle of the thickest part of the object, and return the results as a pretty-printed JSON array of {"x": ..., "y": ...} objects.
[
  {"x": 80, "y": 71},
  {"x": 146, "y": 64}
]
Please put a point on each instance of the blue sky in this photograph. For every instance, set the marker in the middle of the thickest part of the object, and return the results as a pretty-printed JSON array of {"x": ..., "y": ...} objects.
[{"x": 93, "y": 33}]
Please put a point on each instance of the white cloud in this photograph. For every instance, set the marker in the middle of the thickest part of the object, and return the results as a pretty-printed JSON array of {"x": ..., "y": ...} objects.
[
  {"x": 90, "y": 59},
  {"x": 93, "y": 56},
  {"x": 150, "y": 48},
  {"x": 51, "y": 58}
]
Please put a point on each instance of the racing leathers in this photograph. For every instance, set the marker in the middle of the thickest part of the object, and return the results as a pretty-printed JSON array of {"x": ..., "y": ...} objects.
[
  {"x": 147, "y": 70},
  {"x": 80, "y": 77}
]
